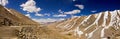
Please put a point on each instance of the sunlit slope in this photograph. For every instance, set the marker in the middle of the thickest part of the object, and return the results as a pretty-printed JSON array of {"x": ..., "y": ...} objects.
[
  {"x": 95, "y": 26},
  {"x": 10, "y": 17}
]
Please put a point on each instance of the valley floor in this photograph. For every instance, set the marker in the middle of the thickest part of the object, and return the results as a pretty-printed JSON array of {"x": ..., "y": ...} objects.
[{"x": 30, "y": 32}]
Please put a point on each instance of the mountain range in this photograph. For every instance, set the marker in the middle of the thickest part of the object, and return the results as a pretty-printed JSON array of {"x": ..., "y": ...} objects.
[{"x": 103, "y": 25}]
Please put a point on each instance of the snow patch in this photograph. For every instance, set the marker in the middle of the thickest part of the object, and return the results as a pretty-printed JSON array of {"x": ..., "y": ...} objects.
[
  {"x": 105, "y": 17},
  {"x": 78, "y": 32},
  {"x": 96, "y": 21},
  {"x": 86, "y": 34},
  {"x": 102, "y": 32},
  {"x": 119, "y": 12},
  {"x": 113, "y": 16},
  {"x": 86, "y": 19},
  {"x": 96, "y": 15}
]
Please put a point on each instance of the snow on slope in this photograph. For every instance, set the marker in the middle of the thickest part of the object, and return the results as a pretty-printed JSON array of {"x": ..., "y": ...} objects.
[
  {"x": 103, "y": 21},
  {"x": 96, "y": 22}
]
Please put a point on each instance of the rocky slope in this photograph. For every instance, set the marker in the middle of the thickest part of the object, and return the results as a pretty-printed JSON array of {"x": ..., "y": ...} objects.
[
  {"x": 10, "y": 17},
  {"x": 14, "y": 25},
  {"x": 104, "y": 25}
]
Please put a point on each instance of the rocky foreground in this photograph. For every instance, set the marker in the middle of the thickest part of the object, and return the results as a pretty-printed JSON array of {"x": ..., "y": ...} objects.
[{"x": 30, "y": 32}]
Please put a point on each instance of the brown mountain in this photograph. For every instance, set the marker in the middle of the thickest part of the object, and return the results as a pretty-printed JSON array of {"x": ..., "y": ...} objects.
[
  {"x": 104, "y": 25},
  {"x": 10, "y": 17},
  {"x": 14, "y": 25}
]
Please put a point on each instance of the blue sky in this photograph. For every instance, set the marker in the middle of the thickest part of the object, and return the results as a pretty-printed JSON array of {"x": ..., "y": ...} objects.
[{"x": 58, "y": 9}]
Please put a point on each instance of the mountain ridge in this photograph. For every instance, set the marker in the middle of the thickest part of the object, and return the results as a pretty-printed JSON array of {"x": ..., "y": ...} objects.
[
  {"x": 91, "y": 27},
  {"x": 13, "y": 17}
]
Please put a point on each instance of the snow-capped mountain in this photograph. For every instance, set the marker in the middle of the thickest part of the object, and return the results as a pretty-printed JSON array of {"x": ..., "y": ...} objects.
[{"x": 104, "y": 25}]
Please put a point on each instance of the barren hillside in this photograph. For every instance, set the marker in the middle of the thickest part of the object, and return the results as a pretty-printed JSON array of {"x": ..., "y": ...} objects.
[
  {"x": 10, "y": 17},
  {"x": 14, "y": 25}
]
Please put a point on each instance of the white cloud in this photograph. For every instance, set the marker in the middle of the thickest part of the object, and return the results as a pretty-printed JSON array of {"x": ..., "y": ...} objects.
[
  {"x": 64, "y": 14},
  {"x": 3, "y": 2},
  {"x": 74, "y": 0},
  {"x": 37, "y": 14},
  {"x": 43, "y": 20},
  {"x": 60, "y": 15},
  {"x": 76, "y": 16},
  {"x": 72, "y": 12},
  {"x": 60, "y": 11},
  {"x": 93, "y": 11},
  {"x": 28, "y": 15},
  {"x": 30, "y": 6},
  {"x": 80, "y": 6},
  {"x": 47, "y": 14}
]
